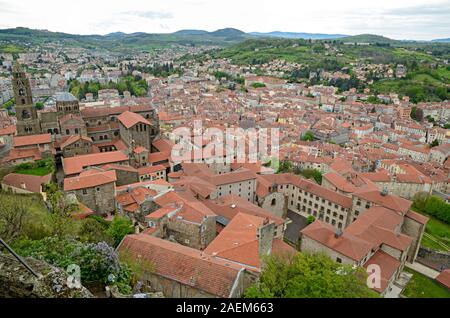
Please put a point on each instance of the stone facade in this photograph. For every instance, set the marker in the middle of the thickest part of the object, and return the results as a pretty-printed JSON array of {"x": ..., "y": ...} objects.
[
  {"x": 194, "y": 235},
  {"x": 27, "y": 117},
  {"x": 275, "y": 203},
  {"x": 415, "y": 230},
  {"x": 309, "y": 204},
  {"x": 100, "y": 198}
]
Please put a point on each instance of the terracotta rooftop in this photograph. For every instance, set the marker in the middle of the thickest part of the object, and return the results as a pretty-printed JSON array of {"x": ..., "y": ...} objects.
[
  {"x": 388, "y": 264},
  {"x": 21, "y": 141},
  {"x": 183, "y": 264},
  {"x": 444, "y": 278},
  {"x": 347, "y": 244},
  {"x": 75, "y": 165},
  {"x": 89, "y": 180},
  {"x": 232, "y": 205},
  {"x": 26, "y": 182},
  {"x": 129, "y": 119},
  {"x": 392, "y": 202},
  {"x": 238, "y": 241}
]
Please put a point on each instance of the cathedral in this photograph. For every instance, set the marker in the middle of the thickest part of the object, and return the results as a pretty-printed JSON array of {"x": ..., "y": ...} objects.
[
  {"x": 27, "y": 117},
  {"x": 76, "y": 131}
]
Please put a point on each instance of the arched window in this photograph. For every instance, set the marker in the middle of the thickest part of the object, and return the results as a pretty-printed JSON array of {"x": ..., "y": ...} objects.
[
  {"x": 274, "y": 202},
  {"x": 56, "y": 131},
  {"x": 26, "y": 114},
  {"x": 50, "y": 131},
  {"x": 67, "y": 132},
  {"x": 76, "y": 130}
]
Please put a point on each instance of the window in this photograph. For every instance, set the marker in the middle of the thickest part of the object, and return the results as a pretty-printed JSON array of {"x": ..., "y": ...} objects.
[
  {"x": 274, "y": 202},
  {"x": 338, "y": 260},
  {"x": 84, "y": 191},
  {"x": 67, "y": 132}
]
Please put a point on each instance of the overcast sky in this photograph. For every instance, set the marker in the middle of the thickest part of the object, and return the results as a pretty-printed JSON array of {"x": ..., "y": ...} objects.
[{"x": 398, "y": 19}]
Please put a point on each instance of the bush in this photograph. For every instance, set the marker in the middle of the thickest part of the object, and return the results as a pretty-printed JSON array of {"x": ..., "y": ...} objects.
[
  {"x": 97, "y": 262},
  {"x": 433, "y": 206},
  {"x": 309, "y": 276},
  {"x": 119, "y": 228}
]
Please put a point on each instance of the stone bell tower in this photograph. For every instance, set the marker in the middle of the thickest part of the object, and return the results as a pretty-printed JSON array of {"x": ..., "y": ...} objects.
[{"x": 26, "y": 113}]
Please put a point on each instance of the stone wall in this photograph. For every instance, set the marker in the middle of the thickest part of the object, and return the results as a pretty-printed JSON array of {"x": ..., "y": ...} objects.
[
  {"x": 435, "y": 259},
  {"x": 100, "y": 199},
  {"x": 17, "y": 282}
]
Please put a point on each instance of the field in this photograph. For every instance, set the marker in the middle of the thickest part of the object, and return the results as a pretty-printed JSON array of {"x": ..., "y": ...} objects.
[
  {"x": 421, "y": 286},
  {"x": 437, "y": 235}
]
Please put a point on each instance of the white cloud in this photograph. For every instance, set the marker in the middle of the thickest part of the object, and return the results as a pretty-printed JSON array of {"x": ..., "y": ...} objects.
[{"x": 401, "y": 19}]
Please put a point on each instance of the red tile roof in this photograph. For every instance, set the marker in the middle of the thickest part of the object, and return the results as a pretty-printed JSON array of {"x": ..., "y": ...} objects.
[
  {"x": 15, "y": 154},
  {"x": 311, "y": 187},
  {"x": 232, "y": 205},
  {"x": 444, "y": 278},
  {"x": 89, "y": 180},
  {"x": 76, "y": 165},
  {"x": 183, "y": 264},
  {"x": 21, "y": 141},
  {"x": 392, "y": 202},
  {"x": 150, "y": 169},
  {"x": 388, "y": 265},
  {"x": 417, "y": 217},
  {"x": 129, "y": 119},
  {"x": 347, "y": 244},
  {"x": 74, "y": 138},
  {"x": 26, "y": 182}
]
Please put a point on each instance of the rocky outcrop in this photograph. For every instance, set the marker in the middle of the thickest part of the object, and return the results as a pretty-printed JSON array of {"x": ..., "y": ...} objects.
[{"x": 17, "y": 282}]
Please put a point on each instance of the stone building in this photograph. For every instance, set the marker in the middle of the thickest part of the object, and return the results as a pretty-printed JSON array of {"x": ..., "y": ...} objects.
[
  {"x": 182, "y": 272},
  {"x": 380, "y": 237},
  {"x": 135, "y": 130},
  {"x": 76, "y": 145},
  {"x": 94, "y": 188},
  {"x": 27, "y": 117}
]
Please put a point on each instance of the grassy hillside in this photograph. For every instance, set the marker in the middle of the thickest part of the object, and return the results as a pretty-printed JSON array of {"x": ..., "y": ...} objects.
[
  {"x": 424, "y": 82},
  {"x": 119, "y": 41}
]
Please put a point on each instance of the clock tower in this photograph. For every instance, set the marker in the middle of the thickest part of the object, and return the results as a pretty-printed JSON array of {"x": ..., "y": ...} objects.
[{"x": 26, "y": 113}]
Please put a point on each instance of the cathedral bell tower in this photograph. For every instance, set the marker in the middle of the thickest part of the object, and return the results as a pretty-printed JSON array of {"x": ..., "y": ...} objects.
[{"x": 26, "y": 113}]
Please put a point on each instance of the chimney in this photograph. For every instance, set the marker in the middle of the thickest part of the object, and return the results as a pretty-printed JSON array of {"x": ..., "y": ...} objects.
[
  {"x": 23, "y": 185},
  {"x": 265, "y": 235}
]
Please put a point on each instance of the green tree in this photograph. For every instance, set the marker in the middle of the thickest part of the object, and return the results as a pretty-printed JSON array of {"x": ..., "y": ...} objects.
[
  {"x": 312, "y": 174},
  {"x": 119, "y": 228},
  {"x": 309, "y": 276},
  {"x": 311, "y": 219},
  {"x": 435, "y": 143},
  {"x": 308, "y": 136}
]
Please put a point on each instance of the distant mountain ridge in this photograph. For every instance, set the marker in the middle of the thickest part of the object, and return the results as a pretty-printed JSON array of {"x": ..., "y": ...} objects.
[
  {"x": 188, "y": 37},
  {"x": 441, "y": 40},
  {"x": 295, "y": 35}
]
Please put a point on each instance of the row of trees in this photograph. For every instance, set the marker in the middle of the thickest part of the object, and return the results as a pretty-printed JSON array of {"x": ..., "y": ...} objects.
[
  {"x": 135, "y": 85},
  {"x": 433, "y": 206}
]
